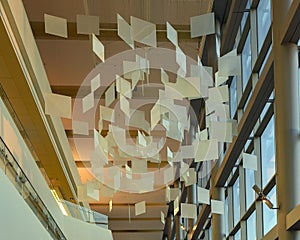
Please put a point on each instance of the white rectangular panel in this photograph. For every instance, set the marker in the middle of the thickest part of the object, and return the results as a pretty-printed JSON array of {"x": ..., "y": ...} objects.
[
  {"x": 217, "y": 207},
  {"x": 124, "y": 105},
  {"x": 207, "y": 150},
  {"x": 141, "y": 139},
  {"x": 124, "y": 31},
  {"x": 95, "y": 83},
  {"x": 221, "y": 131},
  {"x": 229, "y": 66},
  {"x": 80, "y": 127},
  {"x": 190, "y": 177},
  {"x": 172, "y": 34},
  {"x": 107, "y": 114},
  {"x": 143, "y": 31},
  {"x": 188, "y": 210},
  {"x": 87, "y": 24},
  {"x": 98, "y": 48},
  {"x": 125, "y": 88},
  {"x": 218, "y": 94},
  {"x": 56, "y": 26},
  {"x": 168, "y": 175},
  {"x": 88, "y": 102},
  {"x": 139, "y": 165},
  {"x": 220, "y": 79},
  {"x": 140, "y": 208},
  {"x": 174, "y": 193},
  {"x": 155, "y": 115},
  {"x": 181, "y": 60},
  {"x": 58, "y": 105},
  {"x": 203, "y": 195},
  {"x": 249, "y": 161},
  {"x": 203, "y": 134},
  {"x": 110, "y": 95},
  {"x": 202, "y": 25}
]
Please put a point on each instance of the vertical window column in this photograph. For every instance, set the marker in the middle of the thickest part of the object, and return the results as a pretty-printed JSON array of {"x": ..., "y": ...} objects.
[{"x": 286, "y": 120}]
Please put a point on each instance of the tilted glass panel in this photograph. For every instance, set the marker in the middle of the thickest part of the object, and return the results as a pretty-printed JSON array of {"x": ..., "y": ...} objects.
[
  {"x": 237, "y": 235},
  {"x": 268, "y": 152},
  {"x": 251, "y": 227},
  {"x": 245, "y": 15},
  {"x": 270, "y": 215},
  {"x": 233, "y": 97},
  {"x": 236, "y": 202},
  {"x": 263, "y": 21},
  {"x": 226, "y": 217},
  {"x": 246, "y": 61},
  {"x": 249, "y": 182},
  {"x": 265, "y": 60}
]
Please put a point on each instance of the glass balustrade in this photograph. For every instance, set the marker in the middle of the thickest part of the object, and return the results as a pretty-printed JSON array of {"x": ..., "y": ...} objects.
[{"x": 18, "y": 178}]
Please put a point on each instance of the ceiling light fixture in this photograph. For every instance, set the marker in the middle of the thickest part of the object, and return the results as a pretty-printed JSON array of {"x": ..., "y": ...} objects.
[
  {"x": 262, "y": 197},
  {"x": 183, "y": 228}
]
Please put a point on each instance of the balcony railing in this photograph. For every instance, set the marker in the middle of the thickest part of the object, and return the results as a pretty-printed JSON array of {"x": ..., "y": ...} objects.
[
  {"x": 85, "y": 214},
  {"x": 18, "y": 178}
]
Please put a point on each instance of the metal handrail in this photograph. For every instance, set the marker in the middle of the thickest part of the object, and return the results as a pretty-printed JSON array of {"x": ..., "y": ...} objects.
[
  {"x": 23, "y": 132},
  {"x": 85, "y": 214},
  {"x": 17, "y": 176}
]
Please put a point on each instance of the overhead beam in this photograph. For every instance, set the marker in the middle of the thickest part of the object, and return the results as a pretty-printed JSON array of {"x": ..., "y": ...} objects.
[
  {"x": 149, "y": 204},
  {"x": 87, "y": 164},
  {"x": 293, "y": 219},
  {"x": 132, "y": 133},
  {"x": 79, "y": 91},
  {"x": 109, "y": 32},
  {"x": 291, "y": 27}
]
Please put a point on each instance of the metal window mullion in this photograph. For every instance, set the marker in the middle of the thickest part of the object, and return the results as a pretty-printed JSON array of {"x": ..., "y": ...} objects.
[
  {"x": 242, "y": 201},
  {"x": 230, "y": 209},
  {"x": 258, "y": 182},
  {"x": 239, "y": 86},
  {"x": 254, "y": 44}
]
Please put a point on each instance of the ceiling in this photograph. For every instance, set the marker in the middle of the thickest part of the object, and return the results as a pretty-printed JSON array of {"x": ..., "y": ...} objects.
[{"x": 69, "y": 61}]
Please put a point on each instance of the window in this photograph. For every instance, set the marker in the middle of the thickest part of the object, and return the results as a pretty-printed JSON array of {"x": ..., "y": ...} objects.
[
  {"x": 226, "y": 217},
  {"x": 270, "y": 215},
  {"x": 249, "y": 183},
  {"x": 233, "y": 97},
  {"x": 248, "y": 142},
  {"x": 251, "y": 227},
  {"x": 263, "y": 21},
  {"x": 268, "y": 152},
  {"x": 245, "y": 15},
  {"x": 265, "y": 60},
  {"x": 236, "y": 202},
  {"x": 237, "y": 235},
  {"x": 266, "y": 108},
  {"x": 210, "y": 233},
  {"x": 246, "y": 61},
  {"x": 298, "y": 70}
]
